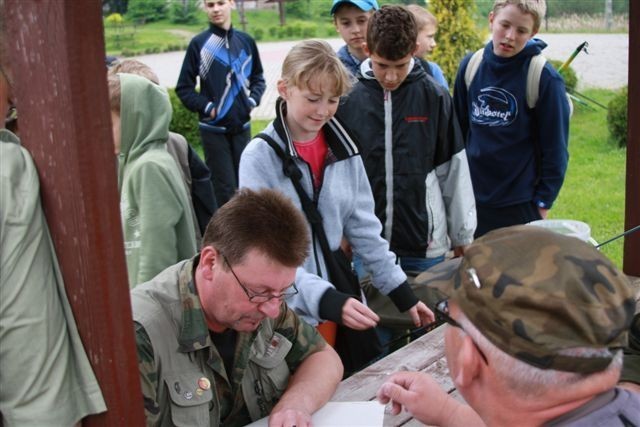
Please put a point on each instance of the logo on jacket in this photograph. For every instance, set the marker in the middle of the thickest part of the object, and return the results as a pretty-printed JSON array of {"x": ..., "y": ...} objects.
[
  {"x": 416, "y": 119},
  {"x": 494, "y": 107}
]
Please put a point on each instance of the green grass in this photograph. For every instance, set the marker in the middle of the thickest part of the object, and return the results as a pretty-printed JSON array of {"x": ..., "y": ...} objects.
[
  {"x": 258, "y": 126},
  {"x": 593, "y": 191},
  {"x": 155, "y": 37},
  {"x": 264, "y": 25},
  {"x": 164, "y": 36}
]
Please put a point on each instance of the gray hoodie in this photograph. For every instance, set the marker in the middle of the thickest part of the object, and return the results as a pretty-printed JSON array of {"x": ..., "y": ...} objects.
[{"x": 346, "y": 205}]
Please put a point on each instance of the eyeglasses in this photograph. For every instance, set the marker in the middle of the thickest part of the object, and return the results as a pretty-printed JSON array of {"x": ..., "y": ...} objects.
[
  {"x": 261, "y": 298},
  {"x": 442, "y": 314}
]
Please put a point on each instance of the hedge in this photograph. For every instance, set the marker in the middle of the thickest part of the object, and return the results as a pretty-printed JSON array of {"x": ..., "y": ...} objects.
[
  {"x": 184, "y": 122},
  {"x": 617, "y": 117}
]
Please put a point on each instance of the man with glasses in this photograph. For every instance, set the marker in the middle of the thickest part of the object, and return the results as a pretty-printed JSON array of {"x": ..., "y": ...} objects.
[
  {"x": 537, "y": 322},
  {"x": 217, "y": 345}
]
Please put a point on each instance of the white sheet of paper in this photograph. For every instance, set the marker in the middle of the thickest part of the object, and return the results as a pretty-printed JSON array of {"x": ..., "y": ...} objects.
[{"x": 342, "y": 414}]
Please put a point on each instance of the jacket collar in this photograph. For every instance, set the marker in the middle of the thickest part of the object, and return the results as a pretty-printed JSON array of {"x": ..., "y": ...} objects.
[
  {"x": 221, "y": 32},
  {"x": 341, "y": 144},
  {"x": 194, "y": 333},
  {"x": 366, "y": 73},
  {"x": 532, "y": 48}
]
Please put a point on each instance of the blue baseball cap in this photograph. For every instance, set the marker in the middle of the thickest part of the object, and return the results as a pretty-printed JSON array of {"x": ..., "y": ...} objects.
[{"x": 365, "y": 5}]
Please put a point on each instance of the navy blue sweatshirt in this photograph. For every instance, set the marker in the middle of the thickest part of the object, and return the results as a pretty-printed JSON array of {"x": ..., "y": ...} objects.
[
  {"x": 231, "y": 79},
  {"x": 516, "y": 154}
]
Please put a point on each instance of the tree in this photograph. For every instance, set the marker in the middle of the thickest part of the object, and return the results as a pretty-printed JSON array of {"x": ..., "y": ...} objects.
[
  {"x": 114, "y": 6},
  {"x": 457, "y": 33},
  {"x": 184, "y": 11},
  {"x": 142, "y": 11}
]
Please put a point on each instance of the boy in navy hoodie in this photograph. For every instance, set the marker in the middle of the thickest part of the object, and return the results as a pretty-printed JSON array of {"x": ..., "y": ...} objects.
[
  {"x": 227, "y": 63},
  {"x": 517, "y": 155}
]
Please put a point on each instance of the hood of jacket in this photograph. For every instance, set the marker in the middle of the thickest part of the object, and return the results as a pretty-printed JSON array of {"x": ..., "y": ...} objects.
[
  {"x": 339, "y": 140},
  {"x": 367, "y": 77},
  {"x": 532, "y": 48},
  {"x": 145, "y": 114}
]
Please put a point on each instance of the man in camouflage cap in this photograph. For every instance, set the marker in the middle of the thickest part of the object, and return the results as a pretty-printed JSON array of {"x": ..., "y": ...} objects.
[
  {"x": 539, "y": 320},
  {"x": 216, "y": 344}
]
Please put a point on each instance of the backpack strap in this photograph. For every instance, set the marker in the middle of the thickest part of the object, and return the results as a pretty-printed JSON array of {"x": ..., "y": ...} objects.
[
  {"x": 533, "y": 79},
  {"x": 291, "y": 170},
  {"x": 533, "y": 74},
  {"x": 472, "y": 67}
]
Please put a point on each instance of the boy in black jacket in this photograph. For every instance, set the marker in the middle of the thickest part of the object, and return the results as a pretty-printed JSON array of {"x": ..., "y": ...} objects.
[
  {"x": 412, "y": 150},
  {"x": 411, "y": 146}
]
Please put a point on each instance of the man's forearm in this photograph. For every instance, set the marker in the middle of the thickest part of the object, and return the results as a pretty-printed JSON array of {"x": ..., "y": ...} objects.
[{"x": 313, "y": 383}]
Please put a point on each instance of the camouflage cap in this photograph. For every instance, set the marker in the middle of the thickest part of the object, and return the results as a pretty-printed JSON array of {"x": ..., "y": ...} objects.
[{"x": 533, "y": 293}]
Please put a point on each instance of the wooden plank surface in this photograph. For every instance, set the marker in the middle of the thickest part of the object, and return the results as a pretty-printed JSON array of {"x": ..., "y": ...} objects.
[
  {"x": 415, "y": 356},
  {"x": 425, "y": 354}
]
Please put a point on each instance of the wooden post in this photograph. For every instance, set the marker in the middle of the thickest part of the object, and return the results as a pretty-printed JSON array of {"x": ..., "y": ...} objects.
[
  {"x": 58, "y": 61},
  {"x": 631, "y": 257}
]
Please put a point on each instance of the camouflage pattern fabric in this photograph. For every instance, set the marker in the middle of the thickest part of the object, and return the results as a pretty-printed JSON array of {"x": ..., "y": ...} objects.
[
  {"x": 631, "y": 360},
  {"x": 194, "y": 338},
  {"x": 534, "y": 293}
]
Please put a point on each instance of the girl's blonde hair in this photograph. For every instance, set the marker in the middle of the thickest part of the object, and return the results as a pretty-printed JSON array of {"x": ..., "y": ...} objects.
[{"x": 312, "y": 61}]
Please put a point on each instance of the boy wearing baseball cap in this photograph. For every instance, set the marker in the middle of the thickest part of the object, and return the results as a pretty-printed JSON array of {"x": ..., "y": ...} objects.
[
  {"x": 351, "y": 18},
  {"x": 539, "y": 320}
]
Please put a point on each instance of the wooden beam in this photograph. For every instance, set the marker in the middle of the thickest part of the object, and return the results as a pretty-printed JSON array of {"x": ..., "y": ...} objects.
[
  {"x": 631, "y": 256},
  {"x": 57, "y": 54}
]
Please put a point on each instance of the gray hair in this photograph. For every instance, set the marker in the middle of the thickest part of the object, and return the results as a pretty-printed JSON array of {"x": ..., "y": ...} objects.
[{"x": 528, "y": 380}]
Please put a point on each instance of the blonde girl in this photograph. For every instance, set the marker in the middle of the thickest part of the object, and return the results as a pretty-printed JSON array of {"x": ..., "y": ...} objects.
[{"x": 313, "y": 81}]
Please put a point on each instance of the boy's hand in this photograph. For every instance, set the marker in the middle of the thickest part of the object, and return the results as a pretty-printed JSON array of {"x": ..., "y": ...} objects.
[
  {"x": 356, "y": 315},
  {"x": 458, "y": 251},
  {"x": 543, "y": 212},
  {"x": 212, "y": 114},
  {"x": 421, "y": 315}
]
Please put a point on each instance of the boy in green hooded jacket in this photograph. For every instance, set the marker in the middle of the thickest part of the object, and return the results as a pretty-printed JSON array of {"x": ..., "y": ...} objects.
[{"x": 156, "y": 221}]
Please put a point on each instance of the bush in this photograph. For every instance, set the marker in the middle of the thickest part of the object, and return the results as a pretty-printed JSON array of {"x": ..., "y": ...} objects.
[
  {"x": 186, "y": 13},
  {"x": 617, "y": 117},
  {"x": 184, "y": 121},
  {"x": 294, "y": 30},
  {"x": 114, "y": 19},
  {"x": 258, "y": 34},
  {"x": 309, "y": 31},
  {"x": 568, "y": 74},
  {"x": 457, "y": 34},
  {"x": 146, "y": 10}
]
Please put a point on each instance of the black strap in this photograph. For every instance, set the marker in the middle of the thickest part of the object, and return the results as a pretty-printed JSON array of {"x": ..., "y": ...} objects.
[{"x": 291, "y": 170}]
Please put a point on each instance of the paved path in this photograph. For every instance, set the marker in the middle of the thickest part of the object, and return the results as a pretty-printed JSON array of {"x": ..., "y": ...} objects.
[{"x": 605, "y": 66}]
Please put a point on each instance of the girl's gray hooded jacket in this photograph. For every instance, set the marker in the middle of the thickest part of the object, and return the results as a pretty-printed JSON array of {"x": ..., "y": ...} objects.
[{"x": 346, "y": 204}]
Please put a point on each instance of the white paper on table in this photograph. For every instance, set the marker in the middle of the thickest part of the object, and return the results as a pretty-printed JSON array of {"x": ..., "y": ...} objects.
[{"x": 342, "y": 414}]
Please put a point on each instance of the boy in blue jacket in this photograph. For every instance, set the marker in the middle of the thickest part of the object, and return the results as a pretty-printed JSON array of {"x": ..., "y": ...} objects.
[
  {"x": 350, "y": 18},
  {"x": 517, "y": 155},
  {"x": 227, "y": 63}
]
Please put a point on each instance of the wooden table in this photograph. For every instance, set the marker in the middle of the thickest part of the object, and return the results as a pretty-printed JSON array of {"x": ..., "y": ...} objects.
[{"x": 425, "y": 354}]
